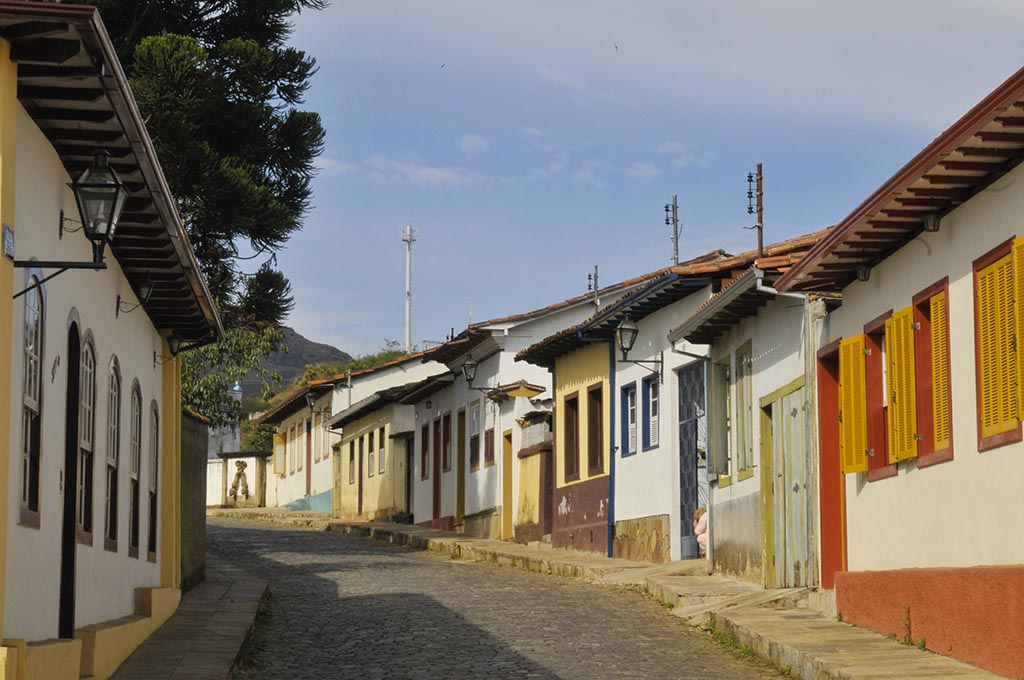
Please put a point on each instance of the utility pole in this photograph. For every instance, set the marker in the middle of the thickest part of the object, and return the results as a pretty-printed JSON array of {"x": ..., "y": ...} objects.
[
  {"x": 672, "y": 220},
  {"x": 757, "y": 178},
  {"x": 592, "y": 286},
  {"x": 409, "y": 237}
]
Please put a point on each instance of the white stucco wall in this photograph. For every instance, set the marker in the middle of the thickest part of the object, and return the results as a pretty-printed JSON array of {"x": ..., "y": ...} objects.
[
  {"x": 214, "y": 481},
  {"x": 647, "y": 482},
  {"x": 105, "y": 580},
  {"x": 318, "y": 469},
  {"x": 964, "y": 511}
]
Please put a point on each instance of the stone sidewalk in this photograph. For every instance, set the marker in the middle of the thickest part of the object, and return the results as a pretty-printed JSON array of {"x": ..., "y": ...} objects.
[
  {"x": 775, "y": 624},
  {"x": 202, "y": 640}
]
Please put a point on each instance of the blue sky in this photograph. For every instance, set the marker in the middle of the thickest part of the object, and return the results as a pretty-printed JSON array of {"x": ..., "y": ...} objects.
[{"x": 555, "y": 132}]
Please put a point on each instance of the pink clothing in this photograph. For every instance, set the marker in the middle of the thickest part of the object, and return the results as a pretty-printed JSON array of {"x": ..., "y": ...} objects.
[{"x": 700, "y": 527}]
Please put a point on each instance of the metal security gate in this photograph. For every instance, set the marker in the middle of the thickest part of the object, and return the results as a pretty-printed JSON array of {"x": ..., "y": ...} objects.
[{"x": 693, "y": 484}]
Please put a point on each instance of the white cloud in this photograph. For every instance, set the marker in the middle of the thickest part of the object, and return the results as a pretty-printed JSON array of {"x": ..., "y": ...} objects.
[
  {"x": 472, "y": 144},
  {"x": 531, "y": 131},
  {"x": 588, "y": 175},
  {"x": 584, "y": 95},
  {"x": 642, "y": 171},
  {"x": 331, "y": 167},
  {"x": 387, "y": 170},
  {"x": 686, "y": 155},
  {"x": 545, "y": 173}
]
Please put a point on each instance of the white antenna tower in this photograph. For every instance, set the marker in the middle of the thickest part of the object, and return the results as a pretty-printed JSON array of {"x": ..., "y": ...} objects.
[{"x": 408, "y": 236}]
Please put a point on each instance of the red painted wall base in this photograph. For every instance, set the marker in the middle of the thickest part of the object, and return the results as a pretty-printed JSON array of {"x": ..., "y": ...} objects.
[{"x": 974, "y": 614}]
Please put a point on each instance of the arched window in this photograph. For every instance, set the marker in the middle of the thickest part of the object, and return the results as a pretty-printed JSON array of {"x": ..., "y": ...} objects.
[
  {"x": 136, "y": 463},
  {"x": 32, "y": 393},
  {"x": 113, "y": 453},
  {"x": 86, "y": 440},
  {"x": 154, "y": 450}
]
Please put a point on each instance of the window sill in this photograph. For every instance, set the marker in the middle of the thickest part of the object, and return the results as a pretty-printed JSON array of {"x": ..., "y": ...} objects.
[
  {"x": 109, "y": 545},
  {"x": 745, "y": 473},
  {"x": 595, "y": 472},
  {"x": 474, "y": 468},
  {"x": 929, "y": 459},
  {"x": 572, "y": 478},
  {"x": 651, "y": 447},
  {"x": 28, "y": 518},
  {"x": 724, "y": 481},
  {"x": 83, "y": 537},
  {"x": 488, "y": 464},
  {"x": 151, "y": 557},
  {"x": 628, "y": 454},
  {"x": 133, "y": 551},
  {"x": 883, "y": 473}
]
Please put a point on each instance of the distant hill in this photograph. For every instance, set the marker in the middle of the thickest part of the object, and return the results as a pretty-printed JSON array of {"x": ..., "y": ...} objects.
[{"x": 301, "y": 351}]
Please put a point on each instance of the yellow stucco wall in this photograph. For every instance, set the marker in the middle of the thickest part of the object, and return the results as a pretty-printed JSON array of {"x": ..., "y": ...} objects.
[
  {"x": 576, "y": 373},
  {"x": 528, "y": 507},
  {"x": 8, "y": 116},
  {"x": 170, "y": 475},
  {"x": 382, "y": 493}
]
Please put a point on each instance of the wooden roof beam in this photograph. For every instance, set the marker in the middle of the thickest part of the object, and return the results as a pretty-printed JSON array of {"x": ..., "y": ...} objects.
[
  {"x": 44, "y": 50},
  {"x": 33, "y": 29},
  {"x": 67, "y": 94}
]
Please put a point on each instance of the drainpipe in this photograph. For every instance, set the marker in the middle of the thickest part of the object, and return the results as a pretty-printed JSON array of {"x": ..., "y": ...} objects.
[{"x": 611, "y": 449}]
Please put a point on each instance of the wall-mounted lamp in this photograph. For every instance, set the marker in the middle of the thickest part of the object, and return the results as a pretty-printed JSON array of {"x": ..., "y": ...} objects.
[
  {"x": 100, "y": 196},
  {"x": 863, "y": 272},
  {"x": 469, "y": 367},
  {"x": 625, "y": 337},
  {"x": 931, "y": 223},
  {"x": 143, "y": 289},
  {"x": 173, "y": 344},
  {"x": 429, "y": 404}
]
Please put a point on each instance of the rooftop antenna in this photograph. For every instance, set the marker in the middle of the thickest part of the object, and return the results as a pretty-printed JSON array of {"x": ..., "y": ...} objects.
[
  {"x": 409, "y": 237},
  {"x": 593, "y": 286},
  {"x": 470, "y": 303},
  {"x": 672, "y": 220},
  {"x": 752, "y": 179}
]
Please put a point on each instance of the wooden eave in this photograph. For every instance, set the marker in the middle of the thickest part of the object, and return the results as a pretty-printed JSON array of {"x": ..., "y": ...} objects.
[
  {"x": 975, "y": 152},
  {"x": 71, "y": 83}
]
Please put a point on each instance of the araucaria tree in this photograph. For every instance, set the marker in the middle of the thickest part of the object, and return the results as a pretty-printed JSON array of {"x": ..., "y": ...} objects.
[{"x": 220, "y": 90}]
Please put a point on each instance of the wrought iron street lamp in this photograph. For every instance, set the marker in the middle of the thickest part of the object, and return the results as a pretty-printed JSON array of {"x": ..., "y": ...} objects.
[{"x": 625, "y": 337}]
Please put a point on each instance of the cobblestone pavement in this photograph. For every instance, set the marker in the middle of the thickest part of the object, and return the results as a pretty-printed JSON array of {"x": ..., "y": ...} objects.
[{"x": 344, "y": 607}]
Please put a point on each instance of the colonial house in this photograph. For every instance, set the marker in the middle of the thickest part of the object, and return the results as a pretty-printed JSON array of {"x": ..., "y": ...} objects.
[
  {"x": 474, "y": 428},
  {"x": 372, "y": 461},
  {"x": 302, "y": 474},
  {"x": 920, "y": 382},
  {"x": 303, "y": 467},
  {"x": 90, "y": 471},
  {"x": 761, "y": 452}
]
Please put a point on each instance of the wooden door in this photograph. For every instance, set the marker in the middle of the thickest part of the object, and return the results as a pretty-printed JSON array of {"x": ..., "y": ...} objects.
[
  {"x": 309, "y": 456},
  {"x": 460, "y": 469},
  {"x": 68, "y": 541},
  {"x": 506, "y": 485},
  {"x": 437, "y": 468},
  {"x": 359, "y": 471},
  {"x": 692, "y": 455}
]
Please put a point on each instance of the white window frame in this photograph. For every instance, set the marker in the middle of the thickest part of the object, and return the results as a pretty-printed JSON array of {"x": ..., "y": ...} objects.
[
  {"x": 631, "y": 443},
  {"x": 86, "y": 437}
]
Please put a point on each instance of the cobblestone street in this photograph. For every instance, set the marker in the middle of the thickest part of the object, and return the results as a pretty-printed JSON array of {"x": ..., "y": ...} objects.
[{"x": 344, "y": 607}]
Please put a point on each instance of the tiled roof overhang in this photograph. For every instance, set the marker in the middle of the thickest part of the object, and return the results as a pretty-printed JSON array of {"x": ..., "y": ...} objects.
[
  {"x": 427, "y": 388},
  {"x": 977, "y": 150},
  {"x": 462, "y": 343},
  {"x": 401, "y": 394},
  {"x": 741, "y": 299},
  {"x": 71, "y": 83},
  {"x": 291, "y": 404}
]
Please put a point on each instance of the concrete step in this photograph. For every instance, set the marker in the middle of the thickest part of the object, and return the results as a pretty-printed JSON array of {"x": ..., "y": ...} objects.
[
  {"x": 701, "y": 614},
  {"x": 814, "y": 647},
  {"x": 542, "y": 545}
]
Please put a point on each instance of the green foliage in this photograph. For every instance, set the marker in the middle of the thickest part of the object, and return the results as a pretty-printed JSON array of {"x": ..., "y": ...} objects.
[
  {"x": 389, "y": 351},
  {"x": 908, "y": 637},
  {"x": 207, "y": 373},
  {"x": 317, "y": 372}
]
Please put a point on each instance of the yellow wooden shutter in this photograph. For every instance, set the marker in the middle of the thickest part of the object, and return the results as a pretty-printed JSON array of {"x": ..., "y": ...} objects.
[
  {"x": 996, "y": 324},
  {"x": 1018, "y": 295},
  {"x": 940, "y": 370},
  {"x": 853, "y": 425},
  {"x": 899, "y": 359}
]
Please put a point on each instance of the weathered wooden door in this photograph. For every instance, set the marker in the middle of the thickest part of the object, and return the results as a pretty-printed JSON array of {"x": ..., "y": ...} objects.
[
  {"x": 460, "y": 466},
  {"x": 437, "y": 469},
  {"x": 788, "y": 499},
  {"x": 506, "y": 485}
]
